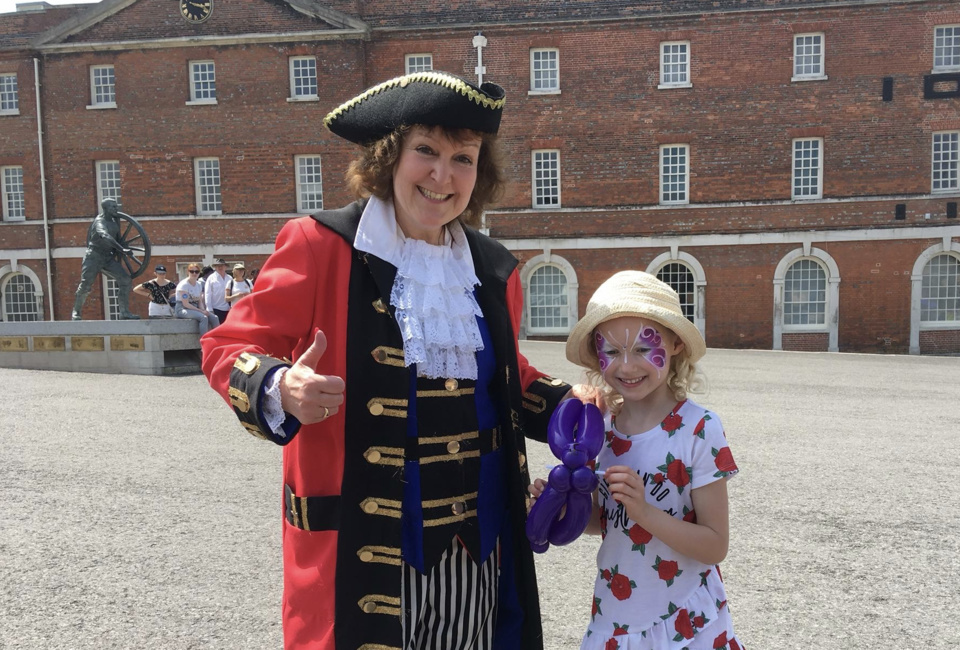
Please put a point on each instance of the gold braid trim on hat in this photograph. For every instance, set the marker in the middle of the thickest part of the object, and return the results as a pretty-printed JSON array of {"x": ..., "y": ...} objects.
[{"x": 433, "y": 77}]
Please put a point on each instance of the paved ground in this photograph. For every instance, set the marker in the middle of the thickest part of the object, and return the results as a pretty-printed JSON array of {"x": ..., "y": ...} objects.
[{"x": 164, "y": 533}]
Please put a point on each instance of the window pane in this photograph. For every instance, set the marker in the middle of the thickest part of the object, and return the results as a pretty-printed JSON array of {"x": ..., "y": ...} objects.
[
  {"x": 805, "y": 294},
  {"x": 203, "y": 81},
  {"x": 13, "y": 195},
  {"x": 545, "y": 70},
  {"x": 673, "y": 174},
  {"x": 208, "y": 184},
  {"x": 546, "y": 178},
  {"x": 680, "y": 278},
  {"x": 548, "y": 299},
  {"x": 946, "y": 161},
  {"x": 108, "y": 180},
  {"x": 104, "y": 85},
  {"x": 419, "y": 63},
  {"x": 304, "y": 73},
  {"x": 940, "y": 290},
  {"x": 808, "y": 55},
  {"x": 9, "y": 97},
  {"x": 806, "y": 169},
  {"x": 946, "y": 47},
  {"x": 20, "y": 300},
  {"x": 309, "y": 184},
  {"x": 673, "y": 63}
]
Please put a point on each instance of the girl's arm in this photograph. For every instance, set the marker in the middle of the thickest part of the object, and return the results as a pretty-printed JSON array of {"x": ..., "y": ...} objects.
[{"x": 705, "y": 540}]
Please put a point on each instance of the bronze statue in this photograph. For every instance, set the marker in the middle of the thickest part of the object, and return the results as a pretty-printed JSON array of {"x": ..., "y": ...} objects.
[{"x": 118, "y": 247}]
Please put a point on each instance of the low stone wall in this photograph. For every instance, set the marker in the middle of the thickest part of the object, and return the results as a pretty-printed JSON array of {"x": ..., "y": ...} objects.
[{"x": 145, "y": 347}]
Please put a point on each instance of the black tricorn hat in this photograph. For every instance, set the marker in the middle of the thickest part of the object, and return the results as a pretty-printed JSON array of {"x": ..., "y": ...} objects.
[{"x": 429, "y": 98}]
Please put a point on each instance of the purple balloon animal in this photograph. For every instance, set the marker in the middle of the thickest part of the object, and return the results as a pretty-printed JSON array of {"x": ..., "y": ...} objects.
[{"x": 575, "y": 436}]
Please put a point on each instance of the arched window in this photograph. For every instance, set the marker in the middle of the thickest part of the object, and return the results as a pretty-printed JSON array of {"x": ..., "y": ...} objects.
[
  {"x": 940, "y": 290},
  {"x": 549, "y": 305},
  {"x": 679, "y": 276},
  {"x": 804, "y": 295},
  {"x": 19, "y": 298}
]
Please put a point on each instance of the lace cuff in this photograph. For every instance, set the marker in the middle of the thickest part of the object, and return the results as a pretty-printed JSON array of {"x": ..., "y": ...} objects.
[{"x": 272, "y": 408}]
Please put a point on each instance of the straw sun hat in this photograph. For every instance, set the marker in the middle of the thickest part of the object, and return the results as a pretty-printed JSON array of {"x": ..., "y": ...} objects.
[{"x": 632, "y": 293}]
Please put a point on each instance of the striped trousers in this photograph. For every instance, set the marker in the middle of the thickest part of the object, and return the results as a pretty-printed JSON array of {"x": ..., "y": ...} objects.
[{"x": 453, "y": 606}]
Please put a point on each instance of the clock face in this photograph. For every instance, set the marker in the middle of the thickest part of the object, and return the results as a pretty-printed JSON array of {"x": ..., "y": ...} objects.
[{"x": 196, "y": 11}]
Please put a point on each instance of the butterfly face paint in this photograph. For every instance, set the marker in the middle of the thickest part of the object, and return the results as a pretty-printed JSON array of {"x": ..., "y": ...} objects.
[{"x": 647, "y": 343}]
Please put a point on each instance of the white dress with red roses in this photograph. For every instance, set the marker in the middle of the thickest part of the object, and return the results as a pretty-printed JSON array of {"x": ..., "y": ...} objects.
[{"x": 647, "y": 596}]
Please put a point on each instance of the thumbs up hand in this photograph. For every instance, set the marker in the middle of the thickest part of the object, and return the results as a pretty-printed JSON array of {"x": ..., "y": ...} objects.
[{"x": 306, "y": 395}]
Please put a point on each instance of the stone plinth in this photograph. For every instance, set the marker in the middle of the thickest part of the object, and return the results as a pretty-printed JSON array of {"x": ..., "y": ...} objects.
[{"x": 145, "y": 347}]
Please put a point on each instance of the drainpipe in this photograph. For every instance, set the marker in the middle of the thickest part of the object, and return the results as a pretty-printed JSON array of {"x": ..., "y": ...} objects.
[{"x": 43, "y": 189}]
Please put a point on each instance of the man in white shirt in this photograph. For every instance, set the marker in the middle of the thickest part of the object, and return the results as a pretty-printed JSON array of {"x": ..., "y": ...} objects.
[{"x": 214, "y": 290}]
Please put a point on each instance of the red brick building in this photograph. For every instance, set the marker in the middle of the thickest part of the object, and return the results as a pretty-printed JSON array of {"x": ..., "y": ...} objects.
[{"x": 793, "y": 168}]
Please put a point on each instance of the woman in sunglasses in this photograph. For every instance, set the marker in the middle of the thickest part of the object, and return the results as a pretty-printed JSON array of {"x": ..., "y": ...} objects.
[{"x": 190, "y": 303}]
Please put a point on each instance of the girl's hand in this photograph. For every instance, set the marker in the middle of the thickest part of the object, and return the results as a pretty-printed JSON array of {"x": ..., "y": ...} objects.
[
  {"x": 627, "y": 487},
  {"x": 535, "y": 490}
]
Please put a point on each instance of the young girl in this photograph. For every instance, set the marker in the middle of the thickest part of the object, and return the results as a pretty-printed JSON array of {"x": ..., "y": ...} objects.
[{"x": 662, "y": 500}]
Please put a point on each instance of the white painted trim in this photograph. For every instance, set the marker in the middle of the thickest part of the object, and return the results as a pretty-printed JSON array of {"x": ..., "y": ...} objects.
[
  {"x": 699, "y": 281},
  {"x": 832, "y": 316},
  {"x": 573, "y": 291},
  {"x": 916, "y": 287},
  {"x": 14, "y": 267}
]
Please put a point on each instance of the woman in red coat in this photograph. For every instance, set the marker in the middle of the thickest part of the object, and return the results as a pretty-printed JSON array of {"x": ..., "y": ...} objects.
[{"x": 380, "y": 348}]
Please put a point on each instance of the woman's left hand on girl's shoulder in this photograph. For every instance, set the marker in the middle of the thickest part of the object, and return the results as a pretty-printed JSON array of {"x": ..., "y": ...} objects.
[{"x": 587, "y": 394}]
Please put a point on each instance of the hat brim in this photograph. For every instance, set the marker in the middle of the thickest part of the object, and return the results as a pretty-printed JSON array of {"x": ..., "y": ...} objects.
[
  {"x": 581, "y": 348},
  {"x": 426, "y": 98}
]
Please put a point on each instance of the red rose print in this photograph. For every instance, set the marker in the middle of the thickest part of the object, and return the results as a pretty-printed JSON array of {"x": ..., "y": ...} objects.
[
  {"x": 639, "y": 534},
  {"x": 677, "y": 472},
  {"x": 658, "y": 478},
  {"x": 720, "y": 641},
  {"x": 619, "y": 630},
  {"x": 723, "y": 459},
  {"x": 606, "y": 575},
  {"x": 689, "y": 515},
  {"x": 609, "y": 436},
  {"x": 698, "y": 621},
  {"x": 595, "y": 609},
  {"x": 698, "y": 430},
  {"x": 719, "y": 574},
  {"x": 612, "y": 644},
  {"x": 667, "y": 570},
  {"x": 683, "y": 625},
  {"x": 672, "y": 422},
  {"x": 734, "y": 645},
  {"x": 621, "y": 586},
  {"x": 620, "y": 446}
]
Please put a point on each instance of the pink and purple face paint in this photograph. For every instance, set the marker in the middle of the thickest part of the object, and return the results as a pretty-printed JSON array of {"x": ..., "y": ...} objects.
[{"x": 648, "y": 340}]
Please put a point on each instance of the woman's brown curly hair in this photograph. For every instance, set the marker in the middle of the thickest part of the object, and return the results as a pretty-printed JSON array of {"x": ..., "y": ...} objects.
[{"x": 372, "y": 173}]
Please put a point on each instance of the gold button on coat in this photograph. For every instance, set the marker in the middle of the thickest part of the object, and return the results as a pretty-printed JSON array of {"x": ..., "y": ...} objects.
[
  {"x": 376, "y": 409},
  {"x": 366, "y": 556},
  {"x": 458, "y": 508},
  {"x": 370, "y": 507},
  {"x": 453, "y": 446},
  {"x": 381, "y": 355},
  {"x": 556, "y": 382},
  {"x": 373, "y": 456},
  {"x": 451, "y": 385},
  {"x": 369, "y": 607}
]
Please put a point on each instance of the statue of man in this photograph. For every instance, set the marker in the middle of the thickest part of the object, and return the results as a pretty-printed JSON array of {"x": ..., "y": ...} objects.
[{"x": 103, "y": 255}]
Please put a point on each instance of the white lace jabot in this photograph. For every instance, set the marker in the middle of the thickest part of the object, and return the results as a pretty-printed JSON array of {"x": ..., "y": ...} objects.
[{"x": 432, "y": 293}]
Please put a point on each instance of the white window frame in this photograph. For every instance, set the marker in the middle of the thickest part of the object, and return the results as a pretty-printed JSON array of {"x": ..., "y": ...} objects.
[
  {"x": 201, "y": 187},
  {"x": 807, "y": 327},
  {"x": 111, "y": 298},
  {"x": 677, "y": 256},
  {"x": 954, "y": 65},
  {"x": 538, "y": 55},
  {"x": 916, "y": 293},
  {"x": 7, "y": 276},
  {"x": 108, "y": 180},
  {"x": 573, "y": 289},
  {"x": 668, "y": 173},
  {"x": 96, "y": 88},
  {"x": 195, "y": 90},
  {"x": 296, "y": 94},
  {"x": 417, "y": 62},
  {"x": 793, "y": 169},
  {"x": 12, "y": 195},
  {"x": 686, "y": 81},
  {"x": 9, "y": 93},
  {"x": 303, "y": 187},
  {"x": 821, "y": 73},
  {"x": 540, "y": 180},
  {"x": 948, "y": 293},
  {"x": 832, "y": 309},
  {"x": 945, "y": 165}
]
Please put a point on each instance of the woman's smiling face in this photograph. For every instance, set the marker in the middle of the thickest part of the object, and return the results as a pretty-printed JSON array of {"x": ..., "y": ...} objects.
[{"x": 433, "y": 180}]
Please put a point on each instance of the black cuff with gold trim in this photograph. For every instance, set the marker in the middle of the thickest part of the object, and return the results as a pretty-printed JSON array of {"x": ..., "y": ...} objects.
[
  {"x": 539, "y": 401},
  {"x": 248, "y": 378}
]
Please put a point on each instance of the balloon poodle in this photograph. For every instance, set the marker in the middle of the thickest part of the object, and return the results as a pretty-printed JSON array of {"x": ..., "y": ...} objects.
[{"x": 575, "y": 436}]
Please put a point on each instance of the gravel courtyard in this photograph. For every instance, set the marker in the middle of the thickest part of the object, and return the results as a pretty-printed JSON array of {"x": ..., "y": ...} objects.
[{"x": 164, "y": 532}]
